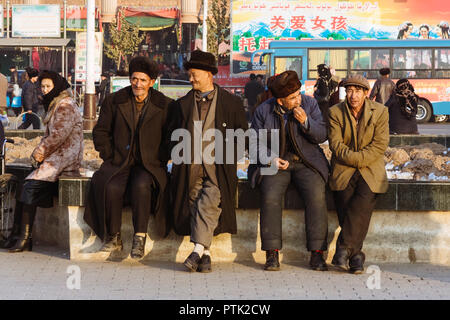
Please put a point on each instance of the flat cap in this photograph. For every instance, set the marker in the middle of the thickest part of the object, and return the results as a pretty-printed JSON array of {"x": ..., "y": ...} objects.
[
  {"x": 356, "y": 80},
  {"x": 285, "y": 84}
]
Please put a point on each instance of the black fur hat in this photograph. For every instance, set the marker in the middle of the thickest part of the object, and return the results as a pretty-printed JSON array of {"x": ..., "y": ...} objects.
[
  {"x": 203, "y": 61},
  {"x": 144, "y": 65}
]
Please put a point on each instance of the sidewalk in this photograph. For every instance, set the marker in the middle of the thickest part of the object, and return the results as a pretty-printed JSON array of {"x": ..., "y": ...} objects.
[{"x": 46, "y": 274}]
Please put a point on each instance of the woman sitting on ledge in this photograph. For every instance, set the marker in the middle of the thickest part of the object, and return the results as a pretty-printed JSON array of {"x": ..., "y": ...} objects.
[{"x": 60, "y": 151}]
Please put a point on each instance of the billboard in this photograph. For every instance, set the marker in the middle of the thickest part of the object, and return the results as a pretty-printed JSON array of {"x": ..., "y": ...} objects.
[
  {"x": 36, "y": 21},
  {"x": 80, "y": 56},
  {"x": 256, "y": 23}
]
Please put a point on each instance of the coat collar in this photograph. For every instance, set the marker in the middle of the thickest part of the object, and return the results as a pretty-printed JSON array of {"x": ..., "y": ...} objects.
[{"x": 123, "y": 99}]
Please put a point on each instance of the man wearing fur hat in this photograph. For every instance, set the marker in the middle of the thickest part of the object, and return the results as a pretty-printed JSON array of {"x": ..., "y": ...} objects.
[
  {"x": 358, "y": 137},
  {"x": 300, "y": 160},
  {"x": 204, "y": 192},
  {"x": 129, "y": 135}
]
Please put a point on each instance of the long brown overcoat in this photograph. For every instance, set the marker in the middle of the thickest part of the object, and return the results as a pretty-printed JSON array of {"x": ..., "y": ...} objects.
[
  {"x": 229, "y": 115},
  {"x": 113, "y": 137}
]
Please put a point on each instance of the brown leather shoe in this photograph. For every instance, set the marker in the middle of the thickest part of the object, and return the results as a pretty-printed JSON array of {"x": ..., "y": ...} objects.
[
  {"x": 192, "y": 261},
  {"x": 112, "y": 243},
  {"x": 204, "y": 264},
  {"x": 138, "y": 248}
]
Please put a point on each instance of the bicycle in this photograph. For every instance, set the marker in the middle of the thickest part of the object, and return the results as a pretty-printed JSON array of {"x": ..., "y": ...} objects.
[{"x": 8, "y": 184}]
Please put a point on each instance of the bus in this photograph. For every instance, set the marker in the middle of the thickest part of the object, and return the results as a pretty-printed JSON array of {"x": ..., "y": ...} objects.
[{"x": 426, "y": 64}]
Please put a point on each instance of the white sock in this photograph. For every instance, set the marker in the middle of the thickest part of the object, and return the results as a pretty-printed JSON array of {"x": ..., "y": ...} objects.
[
  {"x": 206, "y": 252},
  {"x": 199, "y": 249}
]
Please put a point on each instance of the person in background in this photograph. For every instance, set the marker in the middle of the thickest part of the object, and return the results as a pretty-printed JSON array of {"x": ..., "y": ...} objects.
[
  {"x": 325, "y": 86},
  {"x": 104, "y": 88},
  {"x": 383, "y": 87},
  {"x": 252, "y": 88},
  {"x": 31, "y": 93},
  {"x": 267, "y": 94},
  {"x": 402, "y": 106}
]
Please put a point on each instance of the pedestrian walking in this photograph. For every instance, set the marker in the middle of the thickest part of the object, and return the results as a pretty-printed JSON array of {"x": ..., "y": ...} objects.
[{"x": 383, "y": 87}]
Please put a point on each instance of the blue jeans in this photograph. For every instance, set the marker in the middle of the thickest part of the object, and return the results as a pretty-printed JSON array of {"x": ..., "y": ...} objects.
[{"x": 311, "y": 187}]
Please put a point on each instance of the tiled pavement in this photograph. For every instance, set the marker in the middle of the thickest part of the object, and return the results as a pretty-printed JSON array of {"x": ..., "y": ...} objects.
[{"x": 46, "y": 274}]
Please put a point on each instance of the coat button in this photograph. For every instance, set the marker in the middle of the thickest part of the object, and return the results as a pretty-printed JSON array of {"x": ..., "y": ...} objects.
[{"x": 224, "y": 124}]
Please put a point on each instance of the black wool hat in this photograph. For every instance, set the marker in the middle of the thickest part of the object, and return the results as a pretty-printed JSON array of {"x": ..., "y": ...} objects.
[
  {"x": 144, "y": 65},
  {"x": 203, "y": 61},
  {"x": 32, "y": 73},
  {"x": 385, "y": 71},
  {"x": 285, "y": 84}
]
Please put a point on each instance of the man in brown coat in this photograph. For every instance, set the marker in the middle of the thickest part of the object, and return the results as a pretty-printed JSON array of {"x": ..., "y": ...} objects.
[
  {"x": 358, "y": 137},
  {"x": 129, "y": 135}
]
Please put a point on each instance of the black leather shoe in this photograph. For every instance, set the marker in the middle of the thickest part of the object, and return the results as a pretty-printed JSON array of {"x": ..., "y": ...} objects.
[
  {"x": 340, "y": 259},
  {"x": 192, "y": 261},
  {"x": 317, "y": 262},
  {"x": 204, "y": 264},
  {"x": 112, "y": 243},
  {"x": 356, "y": 263},
  {"x": 25, "y": 242},
  {"x": 138, "y": 248},
  {"x": 272, "y": 261},
  {"x": 12, "y": 239}
]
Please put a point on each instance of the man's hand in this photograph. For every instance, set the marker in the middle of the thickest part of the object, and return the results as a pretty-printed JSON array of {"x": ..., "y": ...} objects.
[
  {"x": 281, "y": 164},
  {"x": 300, "y": 115}
]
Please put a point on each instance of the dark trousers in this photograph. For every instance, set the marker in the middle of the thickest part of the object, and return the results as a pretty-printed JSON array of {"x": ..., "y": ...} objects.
[
  {"x": 354, "y": 206},
  {"x": 311, "y": 187},
  {"x": 137, "y": 183},
  {"x": 30, "y": 119}
]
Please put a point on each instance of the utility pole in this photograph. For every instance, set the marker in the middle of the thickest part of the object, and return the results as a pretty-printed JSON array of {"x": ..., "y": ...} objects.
[
  {"x": 205, "y": 26},
  {"x": 89, "y": 111}
]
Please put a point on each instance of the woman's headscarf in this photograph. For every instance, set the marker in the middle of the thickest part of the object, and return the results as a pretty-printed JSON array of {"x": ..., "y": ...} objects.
[
  {"x": 406, "y": 97},
  {"x": 60, "y": 84}
]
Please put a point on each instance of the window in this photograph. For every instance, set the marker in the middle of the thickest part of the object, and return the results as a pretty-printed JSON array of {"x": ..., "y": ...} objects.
[
  {"x": 336, "y": 58},
  {"x": 412, "y": 63},
  {"x": 288, "y": 63},
  {"x": 442, "y": 63},
  {"x": 368, "y": 62}
]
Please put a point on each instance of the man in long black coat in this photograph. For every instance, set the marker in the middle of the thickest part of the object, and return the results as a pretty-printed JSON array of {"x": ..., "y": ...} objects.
[
  {"x": 129, "y": 135},
  {"x": 204, "y": 194}
]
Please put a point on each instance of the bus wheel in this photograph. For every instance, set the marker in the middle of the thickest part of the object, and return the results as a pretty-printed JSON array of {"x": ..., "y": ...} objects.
[
  {"x": 424, "y": 111},
  {"x": 440, "y": 118}
]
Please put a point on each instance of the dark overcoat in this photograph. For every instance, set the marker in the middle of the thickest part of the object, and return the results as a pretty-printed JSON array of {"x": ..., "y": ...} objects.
[
  {"x": 113, "y": 137},
  {"x": 230, "y": 114}
]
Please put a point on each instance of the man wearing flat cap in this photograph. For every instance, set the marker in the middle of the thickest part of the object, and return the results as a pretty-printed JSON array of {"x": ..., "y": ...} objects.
[
  {"x": 358, "y": 137},
  {"x": 300, "y": 160},
  {"x": 383, "y": 87},
  {"x": 129, "y": 136},
  {"x": 204, "y": 190}
]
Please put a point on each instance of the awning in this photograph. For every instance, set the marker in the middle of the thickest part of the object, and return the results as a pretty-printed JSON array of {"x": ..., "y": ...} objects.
[{"x": 151, "y": 19}]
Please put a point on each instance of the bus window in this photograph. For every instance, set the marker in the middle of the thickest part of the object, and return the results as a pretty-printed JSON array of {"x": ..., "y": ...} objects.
[
  {"x": 413, "y": 63},
  {"x": 288, "y": 63},
  {"x": 334, "y": 58},
  {"x": 368, "y": 62},
  {"x": 442, "y": 63}
]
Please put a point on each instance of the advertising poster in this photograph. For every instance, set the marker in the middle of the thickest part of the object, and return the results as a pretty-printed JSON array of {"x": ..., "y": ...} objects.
[
  {"x": 36, "y": 21},
  {"x": 80, "y": 56},
  {"x": 256, "y": 23}
]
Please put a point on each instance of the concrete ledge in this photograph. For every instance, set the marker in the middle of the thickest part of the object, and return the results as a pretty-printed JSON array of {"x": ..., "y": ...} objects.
[{"x": 420, "y": 236}]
